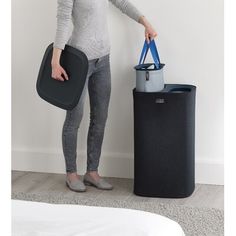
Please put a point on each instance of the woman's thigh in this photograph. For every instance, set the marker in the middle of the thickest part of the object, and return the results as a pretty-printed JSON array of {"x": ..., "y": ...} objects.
[
  {"x": 99, "y": 87},
  {"x": 74, "y": 116}
]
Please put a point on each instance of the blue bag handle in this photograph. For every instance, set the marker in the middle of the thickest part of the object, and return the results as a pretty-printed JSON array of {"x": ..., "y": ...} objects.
[
  {"x": 153, "y": 50},
  {"x": 144, "y": 50}
]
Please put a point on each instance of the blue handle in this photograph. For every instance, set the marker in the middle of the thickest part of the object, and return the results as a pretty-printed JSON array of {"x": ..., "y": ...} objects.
[
  {"x": 155, "y": 54},
  {"x": 153, "y": 50},
  {"x": 144, "y": 50}
]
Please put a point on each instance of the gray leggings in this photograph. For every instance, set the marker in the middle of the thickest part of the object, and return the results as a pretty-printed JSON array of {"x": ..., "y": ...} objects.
[{"x": 98, "y": 82}]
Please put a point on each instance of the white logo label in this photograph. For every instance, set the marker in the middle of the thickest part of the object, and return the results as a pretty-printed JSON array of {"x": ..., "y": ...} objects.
[{"x": 160, "y": 100}]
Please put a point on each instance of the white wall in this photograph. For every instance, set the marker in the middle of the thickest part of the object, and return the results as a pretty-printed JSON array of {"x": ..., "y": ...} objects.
[{"x": 191, "y": 44}]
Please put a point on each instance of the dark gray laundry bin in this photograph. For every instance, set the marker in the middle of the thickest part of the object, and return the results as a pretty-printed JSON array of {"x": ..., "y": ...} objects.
[{"x": 164, "y": 141}]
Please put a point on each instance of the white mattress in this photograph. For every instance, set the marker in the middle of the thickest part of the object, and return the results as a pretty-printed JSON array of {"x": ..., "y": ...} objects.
[{"x": 44, "y": 219}]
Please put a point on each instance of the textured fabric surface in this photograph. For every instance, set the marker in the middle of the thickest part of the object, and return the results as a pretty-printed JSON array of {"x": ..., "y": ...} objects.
[
  {"x": 90, "y": 30},
  {"x": 194, "y": 221}
]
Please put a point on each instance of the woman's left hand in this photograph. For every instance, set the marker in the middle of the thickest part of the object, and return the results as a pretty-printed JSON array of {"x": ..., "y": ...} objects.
[
  {"x": 149, "y": 30},
  {"x": 150, "y": 33}
]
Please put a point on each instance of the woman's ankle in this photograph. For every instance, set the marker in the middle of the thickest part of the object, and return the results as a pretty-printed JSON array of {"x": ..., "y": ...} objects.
[
  {"x": 72, "y": 175},
  {"x": 93, "y": 173}
]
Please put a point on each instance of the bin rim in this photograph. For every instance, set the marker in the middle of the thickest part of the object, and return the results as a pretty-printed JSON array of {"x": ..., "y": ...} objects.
[
  {"x": 168, "y": 87},
  {"x": 141, "y": 67}
]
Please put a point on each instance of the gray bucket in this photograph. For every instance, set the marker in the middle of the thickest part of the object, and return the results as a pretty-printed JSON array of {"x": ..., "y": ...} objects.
[{"x": 149, "y": 80}]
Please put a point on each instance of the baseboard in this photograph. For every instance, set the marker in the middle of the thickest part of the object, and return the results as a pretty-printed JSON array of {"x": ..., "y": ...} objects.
[{"x": 119, "y": 165}]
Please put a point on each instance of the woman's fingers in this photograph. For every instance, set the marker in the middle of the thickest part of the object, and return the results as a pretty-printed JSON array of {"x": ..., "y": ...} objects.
[
  {"x": 150, "y": 33},
  {"x": 59, "y": 73},
  {"x": 147, "y": 37},
  {"x": 65, "y": 74},
  {"x": 60, "y": 78}
]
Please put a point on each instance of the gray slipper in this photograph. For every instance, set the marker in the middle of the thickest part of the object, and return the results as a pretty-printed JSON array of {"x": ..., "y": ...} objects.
[
  {"x": 100, "y": 184},
  {"x": 75, "y": 185}
]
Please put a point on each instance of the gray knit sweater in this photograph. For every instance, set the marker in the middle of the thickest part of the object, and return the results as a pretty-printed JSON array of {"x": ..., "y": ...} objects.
[{"x": 90, "y": 29}]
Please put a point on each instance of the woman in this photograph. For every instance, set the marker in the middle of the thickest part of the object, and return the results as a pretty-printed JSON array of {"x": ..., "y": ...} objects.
[{"x": 90, "y": 35}]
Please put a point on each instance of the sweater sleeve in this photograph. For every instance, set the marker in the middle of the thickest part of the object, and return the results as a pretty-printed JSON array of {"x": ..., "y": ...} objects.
[
  {"x": 64, "y": 12},
  {"x": 128, "y": 8}
]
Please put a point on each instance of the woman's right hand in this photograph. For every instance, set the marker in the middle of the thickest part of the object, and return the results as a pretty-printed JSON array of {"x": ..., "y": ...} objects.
[{"x": 58, "y": 72}]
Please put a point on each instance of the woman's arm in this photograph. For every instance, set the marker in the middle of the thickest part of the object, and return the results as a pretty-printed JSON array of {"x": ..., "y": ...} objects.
[
  {"x": 149, "y": 30},
  {"x": 127, "y": 8},
  {"x": 64, "y": 11},
  {"x": 130, "y": 10}
]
